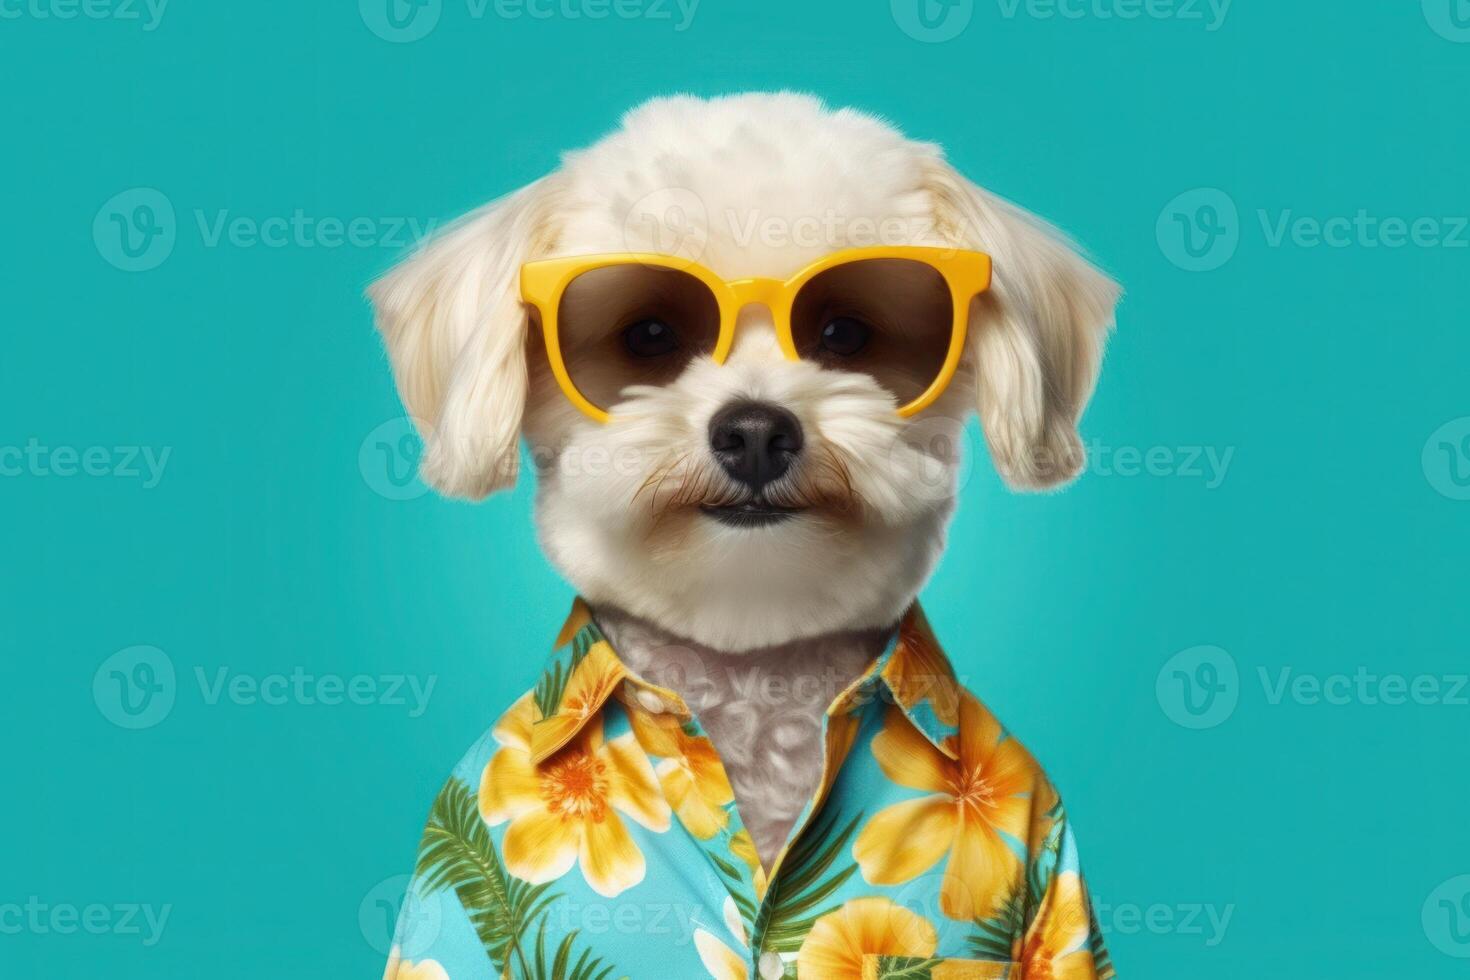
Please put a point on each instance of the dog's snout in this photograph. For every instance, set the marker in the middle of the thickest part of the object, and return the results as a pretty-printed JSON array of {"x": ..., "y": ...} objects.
[{"x": 755, "y": 442}]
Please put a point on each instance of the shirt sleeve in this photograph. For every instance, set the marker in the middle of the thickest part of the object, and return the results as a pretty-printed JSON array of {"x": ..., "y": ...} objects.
[
  {"x": 438, "y": 934},
  {"x": 435, "y": 940},
  {"x": 1063, "y": 940}
]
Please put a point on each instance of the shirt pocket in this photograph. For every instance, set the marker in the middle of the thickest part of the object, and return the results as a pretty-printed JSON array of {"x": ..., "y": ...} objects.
[{"x": 879, "y": 967}]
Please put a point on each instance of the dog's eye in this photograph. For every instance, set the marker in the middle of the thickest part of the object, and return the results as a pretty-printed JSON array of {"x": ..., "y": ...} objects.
[
  {"x": 845, "y": 336},
  {"x": 650, "y": 338}
]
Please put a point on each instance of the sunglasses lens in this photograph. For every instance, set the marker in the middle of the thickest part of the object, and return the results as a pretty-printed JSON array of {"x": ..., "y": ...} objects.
[
  {"x": 891, "y": 319},
  {"x": 625, "y": 325}
]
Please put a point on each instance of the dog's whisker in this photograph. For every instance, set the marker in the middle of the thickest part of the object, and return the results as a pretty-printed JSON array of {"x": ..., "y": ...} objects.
[{"x": 664, "y": 476}]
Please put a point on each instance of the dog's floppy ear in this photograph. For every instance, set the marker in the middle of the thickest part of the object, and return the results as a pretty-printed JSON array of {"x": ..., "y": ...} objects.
[
  {"x": 1036, "y": 336},
  {"x": 455, "y": 330}
]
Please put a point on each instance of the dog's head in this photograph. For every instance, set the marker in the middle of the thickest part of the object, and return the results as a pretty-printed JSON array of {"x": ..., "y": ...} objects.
[{"x": 763, "y": 499}]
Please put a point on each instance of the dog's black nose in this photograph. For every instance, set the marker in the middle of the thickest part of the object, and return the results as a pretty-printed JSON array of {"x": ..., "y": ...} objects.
[{"x": 754, "y": 441}]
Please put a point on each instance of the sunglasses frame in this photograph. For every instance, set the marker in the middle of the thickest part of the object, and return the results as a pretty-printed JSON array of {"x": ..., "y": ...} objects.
[{"x": 966, "y": 273}]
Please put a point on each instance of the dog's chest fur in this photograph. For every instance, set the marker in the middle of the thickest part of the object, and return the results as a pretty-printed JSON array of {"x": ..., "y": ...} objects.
[{"x": 762, "y": 710}]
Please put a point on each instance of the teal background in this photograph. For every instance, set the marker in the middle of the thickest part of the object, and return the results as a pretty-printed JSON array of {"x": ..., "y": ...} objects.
[{"x": 1336, "y": 540}]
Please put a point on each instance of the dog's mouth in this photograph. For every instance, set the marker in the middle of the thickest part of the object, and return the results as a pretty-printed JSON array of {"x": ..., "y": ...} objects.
[{"x": 750, "y": 513}]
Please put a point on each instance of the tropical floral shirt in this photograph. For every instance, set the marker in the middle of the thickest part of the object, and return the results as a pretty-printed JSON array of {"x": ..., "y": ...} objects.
[{"x": 593, "y": 835}]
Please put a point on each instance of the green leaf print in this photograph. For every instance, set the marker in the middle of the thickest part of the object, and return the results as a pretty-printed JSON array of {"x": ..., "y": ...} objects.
[
  {"x": 993, "y": 938},
  {"x": 563, "y": 967},
  {"x": 553, "y": 682},
  {"x": 457, "y": 853},
  {"x": 906, "y": 968},
  {"x": 794, "y": 902},
  {"x": 736, "y": 887}
]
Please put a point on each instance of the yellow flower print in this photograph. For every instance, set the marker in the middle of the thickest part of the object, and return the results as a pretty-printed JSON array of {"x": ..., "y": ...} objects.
[
  {"x": 514, "y": 727},
  {"x": 403, "y": 970},
  {"x": 570, "y": 808},
  {"x": 1056, "y": 946},
  {"x": 588, "y": 686},
  {"x": 1043, "y": 800},
  {"x": 722, "y": 962},
  {"x": 971, "y": 800},
  {"x": 742, "y": 845},
  {"x": 864, "y": 927},
  {"x": 691, "y": 774},
  {"x": 918, "y": 670}
]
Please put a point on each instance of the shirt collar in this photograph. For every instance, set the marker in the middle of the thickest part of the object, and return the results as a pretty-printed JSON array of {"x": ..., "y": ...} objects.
[{"x": 912, "y": 674}]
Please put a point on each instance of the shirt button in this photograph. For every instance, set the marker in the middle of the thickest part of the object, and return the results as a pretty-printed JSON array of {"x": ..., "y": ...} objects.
[
  {"x": 651, "y": 702},
  {"x": 771, "y": 966}
]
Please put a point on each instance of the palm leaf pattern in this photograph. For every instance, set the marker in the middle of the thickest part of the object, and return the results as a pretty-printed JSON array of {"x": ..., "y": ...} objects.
[
  {"x": 457, "y": 853},
  {"x": 562, "y": 966},
  {"x": 793, "y": 904},
  {"x": 553, "y": 682},
  {"x": 1044, "y": 864},
  {"x": 737, "y": 887},
  {"x": 1102, "y": 961},
  {"x": 906, "y": 968},
  {"x": 523, "y": 928},
  {"x": 996, "y": 937},
  {"x": 993, "y": 939}
]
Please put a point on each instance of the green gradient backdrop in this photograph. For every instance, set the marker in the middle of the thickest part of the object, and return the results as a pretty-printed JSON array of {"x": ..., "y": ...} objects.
[{"x": 1336, "y": 538}]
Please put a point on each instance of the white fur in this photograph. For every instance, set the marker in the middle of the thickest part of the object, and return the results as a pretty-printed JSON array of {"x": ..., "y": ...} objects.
[{"x": 751, "y": 186}]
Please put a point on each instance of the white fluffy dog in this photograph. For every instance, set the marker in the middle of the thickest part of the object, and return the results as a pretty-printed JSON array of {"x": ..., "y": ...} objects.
[{"x": 749, "y": 186}]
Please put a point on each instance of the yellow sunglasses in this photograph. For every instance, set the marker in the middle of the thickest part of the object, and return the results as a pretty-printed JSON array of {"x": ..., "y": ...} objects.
[{"x": 897, "y": 314}]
